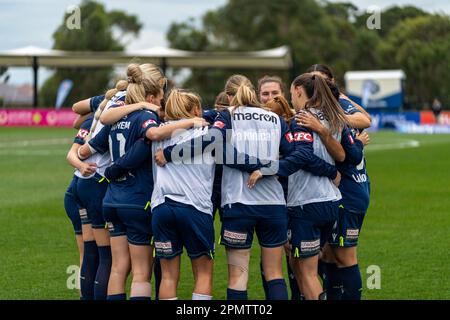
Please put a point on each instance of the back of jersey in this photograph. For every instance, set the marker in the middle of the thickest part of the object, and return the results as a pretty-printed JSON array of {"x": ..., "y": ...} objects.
[
  {"x": 304, "y": 187},
  {"x": 256, "y": 132},
  {"x": 189, "y": 181},
  {"x": 134, "y": 189}
]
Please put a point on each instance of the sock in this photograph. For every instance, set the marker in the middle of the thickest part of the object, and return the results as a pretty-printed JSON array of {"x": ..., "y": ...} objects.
[
  {"x": 103, "y": 271},
  {"x": 198, "y": 296},
  {"x": 277, "y": 289},
  {"x": 334, "y": 282},
  {"x": 295, "y": 290},
  {"x": 351, "y": 283},
  {"x": 264, "y": 282},
  {"x": 157, "y": 272},
  {"x": 236, "y": 294},
  {"x": 118, "y": 296},
  {"x": 88, "y": 270}
]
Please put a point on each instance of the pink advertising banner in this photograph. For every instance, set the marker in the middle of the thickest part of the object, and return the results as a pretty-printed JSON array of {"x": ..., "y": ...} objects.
[{"x": 36, "y": 118}]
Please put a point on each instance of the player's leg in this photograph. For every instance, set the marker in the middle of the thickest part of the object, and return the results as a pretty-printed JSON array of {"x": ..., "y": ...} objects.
[
  {"x": 198, "y": 238},
  {"x": 237, "y": 237},
  {"x": 168, "y": 249},
  {"x": 272, "y": 236},
  {"x": 305, "y": 251},
  {"x": 346, "y": 255},
  {"x": 139, "y": 234},
  {"x": 120, "y": 266},
  {"x": 101, "y": 235}
]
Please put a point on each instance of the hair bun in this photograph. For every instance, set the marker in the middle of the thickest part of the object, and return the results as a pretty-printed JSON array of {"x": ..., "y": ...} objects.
[{"x": 134, "y": 74}]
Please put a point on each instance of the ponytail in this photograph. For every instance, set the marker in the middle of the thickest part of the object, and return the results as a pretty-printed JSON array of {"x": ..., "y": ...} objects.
[
  {"x": 321, "y": 97},
  {"x": 181, "y": 104}
]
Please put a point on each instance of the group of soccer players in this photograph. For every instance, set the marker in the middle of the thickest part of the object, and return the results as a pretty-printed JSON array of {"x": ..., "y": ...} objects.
[{"x": 152, "y": 169}]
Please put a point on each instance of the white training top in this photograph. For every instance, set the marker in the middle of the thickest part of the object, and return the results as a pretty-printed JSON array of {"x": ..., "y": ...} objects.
[
  {"x": 102, "y": 160},
  {"x": 256, "y": 132},
  {"x": 189, "y": 180},
  {"x": 304, "y": 187}
]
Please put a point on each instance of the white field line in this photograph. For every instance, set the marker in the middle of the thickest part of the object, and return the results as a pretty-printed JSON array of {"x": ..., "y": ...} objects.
[{"x": 393, "y": 146}]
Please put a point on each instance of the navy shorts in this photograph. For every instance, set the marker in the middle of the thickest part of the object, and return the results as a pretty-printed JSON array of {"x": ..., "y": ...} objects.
[
  {"x": 90, "y": 193},
  {"x": 348, "y": 227},
  {"x": 136, "y": 224},
  {"x": 240, "y": 222},
  {"x": 72, "y": 208},
  {"x": 311, "y": 226},
  {"x": 176, "y": 225}
]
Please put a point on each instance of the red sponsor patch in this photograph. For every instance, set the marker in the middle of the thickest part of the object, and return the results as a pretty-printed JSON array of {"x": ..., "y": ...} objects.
[
  {"x": 82, "y": 133},
  {"x": 120, "y": 103},
  {"x": 219, "y": 124},
  {"x": 350, "y": 138},
  {"x": 148, "y": 122},
  {"x": 303, "y": 136},
  {"x": 289, "y": 137}
]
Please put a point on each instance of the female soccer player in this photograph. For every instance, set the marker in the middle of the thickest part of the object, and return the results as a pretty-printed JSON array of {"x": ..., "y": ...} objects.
[
  {"x": 89, "y": 190},
  {"x": 341, "y": 264},
  {"x": 182, "y": 207},
  {"x": 356, "y": 116},
  {"x": 270, "y": 87},
  {"x": 126, "y": 203},
  {"x": 71, "y": 203}
]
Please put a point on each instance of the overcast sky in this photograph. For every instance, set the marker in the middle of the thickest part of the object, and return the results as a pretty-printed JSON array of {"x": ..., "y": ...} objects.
[{"x": 31, "y": 22}]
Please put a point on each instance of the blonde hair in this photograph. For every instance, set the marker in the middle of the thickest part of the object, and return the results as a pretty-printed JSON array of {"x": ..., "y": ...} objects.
[
  {"x": 280, "y": 106},
  {"x": 141, "y": 83},
  {"x": 181, "y": 103},
  {"x": 242, "y": 90},
  {"x": 143, "y": 80}
]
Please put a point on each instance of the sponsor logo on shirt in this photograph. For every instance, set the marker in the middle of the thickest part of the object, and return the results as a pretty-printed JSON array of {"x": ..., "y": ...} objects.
[
  {"x": 255, "y": 116},
  {"x": 219, "y": 124},
  {"x": 303, "y": 136},
  {"x": 82, "y": 133},
  {"x": 289, "y": 137},
  {"x": 148, "y": 122}
]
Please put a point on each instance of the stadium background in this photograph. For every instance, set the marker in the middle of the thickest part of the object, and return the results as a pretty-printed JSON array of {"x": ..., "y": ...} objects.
[{"x": 406, "y": 231}]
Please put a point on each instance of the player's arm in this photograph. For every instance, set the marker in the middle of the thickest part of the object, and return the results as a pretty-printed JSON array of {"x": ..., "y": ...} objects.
[
  {"x": 86, "y": 106},
  {"x": 79, "y": 120},
  {"x": 333, "y": 146},
  {"x": 164, "y": 132},
  {"x": 358, "y": 118},
  {"x": 296, "y": 147},
  {"x": 85, "y": 168},
  {"x": 353, "y": 146},
  {"x": 112, "y": 115},
  {"x": 134, "y": 158},
  {"x": 98, "y": 144},
  {"x": 216, "y": 135}
]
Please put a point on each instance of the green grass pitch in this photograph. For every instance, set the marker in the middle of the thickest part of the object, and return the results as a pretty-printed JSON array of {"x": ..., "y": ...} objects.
[{"x": 406, "y": 231}]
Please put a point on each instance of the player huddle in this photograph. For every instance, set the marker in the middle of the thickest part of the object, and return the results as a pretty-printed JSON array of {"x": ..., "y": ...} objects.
[{"x": 153, "y": 168}]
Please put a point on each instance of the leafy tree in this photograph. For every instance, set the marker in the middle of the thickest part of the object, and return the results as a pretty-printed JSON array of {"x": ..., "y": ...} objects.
[
  {"x": 100, "y": 31},
  {"x": 421, "y": 46}
]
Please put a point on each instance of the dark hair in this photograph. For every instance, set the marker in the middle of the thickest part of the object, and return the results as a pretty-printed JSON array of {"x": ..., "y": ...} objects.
[
  {"x": 221, "y": 101},
  {"x": 321, "y": 97},
  {"x": 322, "y": 69},
  {"x": 267, "y": 79},
  {"x": 334, "y": 89}
]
